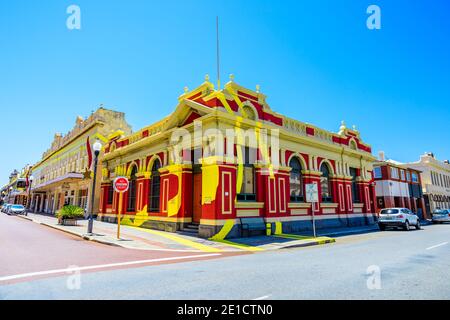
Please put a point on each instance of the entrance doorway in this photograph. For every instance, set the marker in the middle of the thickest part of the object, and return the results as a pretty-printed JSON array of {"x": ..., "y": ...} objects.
[{"x": 197, "y": 198}]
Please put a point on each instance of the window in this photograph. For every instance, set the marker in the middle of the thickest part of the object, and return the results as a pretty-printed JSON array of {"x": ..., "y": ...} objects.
[
  {"x": 132, "y": 191},
  {"x": 296, "y": 181},
  {"x": 248, "y": 113},
  {"x": 110, "y": 194},
  {"x": 325, "y": 183},
  {"x": 402, "y": 174},
  {"x": 415, "y": 177},
  {"x": 408, "y": 176},
  {"x": 394, "y": 173},
  {"x": 377, "y": 172},
  {"x": 355, "y": 188},
  {"x": 155, "y": 187},
  {"x": 248, "y": 192}
]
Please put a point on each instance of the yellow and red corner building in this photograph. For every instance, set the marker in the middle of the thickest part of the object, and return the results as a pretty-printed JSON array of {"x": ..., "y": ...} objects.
[{"x": 224, "y": 155}]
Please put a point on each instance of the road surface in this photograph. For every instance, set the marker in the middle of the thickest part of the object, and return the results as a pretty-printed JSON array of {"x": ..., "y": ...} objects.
[{"x": 381, "y": 265}]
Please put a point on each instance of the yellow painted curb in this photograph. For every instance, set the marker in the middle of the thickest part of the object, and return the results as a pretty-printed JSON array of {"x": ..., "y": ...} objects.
[
  {"x": 178, "y": 239},
  {"x": 320, "y": 240},
  {"x": 239, "y": 245}
]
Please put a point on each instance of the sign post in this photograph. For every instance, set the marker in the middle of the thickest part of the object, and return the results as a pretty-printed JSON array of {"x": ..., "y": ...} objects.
[
  {"x": 121, "y": 185},
  {"x": 312, "y": 196}
]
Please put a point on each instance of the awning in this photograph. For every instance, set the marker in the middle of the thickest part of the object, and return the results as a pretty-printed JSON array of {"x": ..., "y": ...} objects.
[{"x": 67, "y": 178}]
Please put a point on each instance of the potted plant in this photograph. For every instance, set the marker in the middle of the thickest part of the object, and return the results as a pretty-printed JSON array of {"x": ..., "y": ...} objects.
[{"x": 69, "y": 215}]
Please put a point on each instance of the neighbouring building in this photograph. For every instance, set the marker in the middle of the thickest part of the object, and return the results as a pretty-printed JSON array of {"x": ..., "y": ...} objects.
[
  {"x": 435, "y": 181},
  {"x": 398, "y": 185},
  {"x": 200, "y": 169},
  {"x": 62, "y": 176},
  {"x": 16, "y": 191}
]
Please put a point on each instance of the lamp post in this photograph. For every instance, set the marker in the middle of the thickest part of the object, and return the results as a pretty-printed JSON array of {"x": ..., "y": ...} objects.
[
  {"x": 97, "y": 147},
  {"x": 30, "y": 179},
  {"x": 10, "y": 193}
]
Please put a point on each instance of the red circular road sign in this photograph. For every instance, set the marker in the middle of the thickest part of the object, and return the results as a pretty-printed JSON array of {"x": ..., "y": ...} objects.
[{"x": 121, "y": 184}]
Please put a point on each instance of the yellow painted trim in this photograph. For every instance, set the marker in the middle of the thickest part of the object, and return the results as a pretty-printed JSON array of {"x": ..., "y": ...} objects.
[
  {"x": 278, "y": 228},
  {"x": 239, "y": 245},
  {"x": 224, "y": 231},
  {"x": 180, "y": 240}
]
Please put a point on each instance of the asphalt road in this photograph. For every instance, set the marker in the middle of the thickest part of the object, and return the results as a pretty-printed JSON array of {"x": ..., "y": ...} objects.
[
  {"x": 381, "y": 265},
  {"x": 29, "y": 251}
]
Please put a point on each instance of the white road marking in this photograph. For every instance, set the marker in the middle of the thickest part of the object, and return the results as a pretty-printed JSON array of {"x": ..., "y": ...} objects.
[
  {"x": 438, "y": 245},
  {"x": 102, "y": 266},
  {"x": 263, "y": 297}
]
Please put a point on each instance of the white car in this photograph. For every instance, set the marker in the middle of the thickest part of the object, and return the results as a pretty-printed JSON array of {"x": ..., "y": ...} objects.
[
  {"x": 398, "y": 217},
  {"x": 441, "y": 216}
]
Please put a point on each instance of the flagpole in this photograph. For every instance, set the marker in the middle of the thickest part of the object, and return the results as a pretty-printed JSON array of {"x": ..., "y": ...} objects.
[{"x": 218, "y": 55}]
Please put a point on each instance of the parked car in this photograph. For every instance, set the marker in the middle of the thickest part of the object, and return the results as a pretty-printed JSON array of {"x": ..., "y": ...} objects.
[
  {"x": 16, "y": 209},
  {"x": 399, "y": 218},
  {"x": 441, "y": 216},
  {"x": 5, "y": 208}
]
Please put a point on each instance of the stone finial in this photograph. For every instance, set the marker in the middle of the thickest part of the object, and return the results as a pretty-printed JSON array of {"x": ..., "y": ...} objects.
[
  {"x": 258, "y": 88},
  {"x": 186, "y": 89},
  {"x": 343, "y": 127},
  {"x": 232, "y": 77},
  {"x": 207, "y": 77},
  {"x": 354, "y": 128}
]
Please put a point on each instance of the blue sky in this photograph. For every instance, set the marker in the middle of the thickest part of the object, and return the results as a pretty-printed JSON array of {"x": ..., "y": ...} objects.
[{"x": 315, "y": 60}]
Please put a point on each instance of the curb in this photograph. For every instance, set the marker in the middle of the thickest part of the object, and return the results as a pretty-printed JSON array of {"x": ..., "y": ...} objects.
[
  {"x": 25, "y": 217},
  {"x": 347, "y": 233},
  {"x": 309, "y": 244},
  {"x": 84, "y": 237}
]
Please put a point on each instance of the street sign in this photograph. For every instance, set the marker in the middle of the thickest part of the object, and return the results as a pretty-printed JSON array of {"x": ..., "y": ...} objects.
[
  {"x": 312, "y": 196},
  {"x": 121, "y": 184},
  {"x": 312, "y": 193}
]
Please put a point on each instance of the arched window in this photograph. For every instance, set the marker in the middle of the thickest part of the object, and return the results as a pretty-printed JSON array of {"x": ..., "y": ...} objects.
[
  {"x": 248, "y": 112},
  {"x": 155, "y": 187},
  {"x": 132, "y": 191},
  {"x": 248, "y": 187},
  {"x": 325, "y": 183},
  {"x": 296, "y": 180},
  {"x": 355, "y": 189}
]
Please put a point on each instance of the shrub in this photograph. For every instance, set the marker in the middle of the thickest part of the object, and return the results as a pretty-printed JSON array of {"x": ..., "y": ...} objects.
[{"x": 70, "y": 212}]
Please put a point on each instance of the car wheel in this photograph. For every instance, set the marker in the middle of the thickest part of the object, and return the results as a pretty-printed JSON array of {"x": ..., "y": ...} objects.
[
  {"x": 382, "y": 227},
  {"x": 418, "y": 227},
  {"x": 406, "y": 226}
]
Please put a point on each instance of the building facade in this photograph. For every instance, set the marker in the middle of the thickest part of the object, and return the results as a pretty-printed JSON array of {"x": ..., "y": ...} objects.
[
  {"x": 223, "y": 155},
  {"x": 62, "y": 176},
  {"x": 435, "y": 181},
  {"x": 397, "y": 185},
  {"x": 16, "y": 191}
]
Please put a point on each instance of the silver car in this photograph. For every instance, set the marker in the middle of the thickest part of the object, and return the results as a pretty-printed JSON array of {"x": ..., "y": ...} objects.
[
  {"x": 441, "y": 216},
  {"x": 398, "y": 218},
  {"x": 16, "y": 209}
]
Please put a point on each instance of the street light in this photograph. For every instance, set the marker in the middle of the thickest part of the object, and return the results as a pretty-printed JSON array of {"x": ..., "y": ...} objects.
[
  {"x": 97, "y": 147},
  {"x": 30, "y": 179}
]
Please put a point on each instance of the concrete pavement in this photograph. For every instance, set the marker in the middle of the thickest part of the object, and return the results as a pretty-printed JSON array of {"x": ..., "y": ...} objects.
[
  {"x": 145, "y": 239},
  {"x": 381, "y": 265},
  {"x": 32, "y": 250}
]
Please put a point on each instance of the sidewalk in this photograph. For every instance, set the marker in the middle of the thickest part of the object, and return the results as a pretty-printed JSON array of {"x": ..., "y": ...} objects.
[{"x": 146, "y": 239}]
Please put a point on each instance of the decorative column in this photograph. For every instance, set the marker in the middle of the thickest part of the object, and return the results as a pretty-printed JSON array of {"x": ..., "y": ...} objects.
[
  {"x": 176, "y": 196},
  {"x": 218, "y": 197}
]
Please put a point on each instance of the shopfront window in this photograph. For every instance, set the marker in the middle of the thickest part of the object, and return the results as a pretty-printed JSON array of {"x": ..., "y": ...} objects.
[{"x": 296, "y": 181}]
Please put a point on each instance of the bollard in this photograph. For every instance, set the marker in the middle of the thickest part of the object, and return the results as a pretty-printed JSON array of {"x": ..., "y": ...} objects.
[{"x": 268, "y": 229}]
